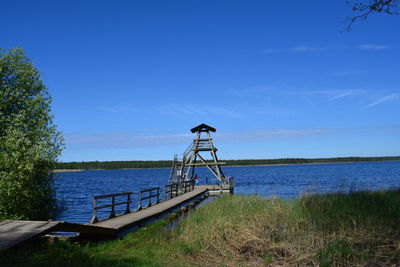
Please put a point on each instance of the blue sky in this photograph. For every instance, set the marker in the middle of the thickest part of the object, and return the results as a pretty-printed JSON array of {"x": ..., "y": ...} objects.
[{"x": 276, "y": 78}]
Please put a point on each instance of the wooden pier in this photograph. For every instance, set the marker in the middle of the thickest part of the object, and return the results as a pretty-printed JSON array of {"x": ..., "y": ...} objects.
[
  {"x": 181, "y": 191},
  {"x": 14, "y": 232},
  {"x": 126, "y": 223}
]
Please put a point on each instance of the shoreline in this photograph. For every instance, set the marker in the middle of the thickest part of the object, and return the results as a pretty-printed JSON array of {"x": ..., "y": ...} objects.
[
  {"x": 351, "y": 229},
  {"x": 69, "y": 170},
  {"x": 244, "y": 165},
  {"x": 309, "y": 163}
]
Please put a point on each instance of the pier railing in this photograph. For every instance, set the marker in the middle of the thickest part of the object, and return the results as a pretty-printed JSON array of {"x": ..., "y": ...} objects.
[
  {"x": 171, "y": 190},
  {"x": 112, "y": 205},
  {"x": 149, "y": 194},
  {"x": 146, "y": 198},
  {"x": 231, "y": 184},
  {"x": 187, "y": 186}
]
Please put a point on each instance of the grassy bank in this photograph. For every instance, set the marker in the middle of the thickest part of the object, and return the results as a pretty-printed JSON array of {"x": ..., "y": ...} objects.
[{"x": 328, "y": 230}]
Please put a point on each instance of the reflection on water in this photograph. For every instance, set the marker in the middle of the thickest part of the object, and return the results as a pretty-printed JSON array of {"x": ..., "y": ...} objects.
[{"x": 75, "y": 189}]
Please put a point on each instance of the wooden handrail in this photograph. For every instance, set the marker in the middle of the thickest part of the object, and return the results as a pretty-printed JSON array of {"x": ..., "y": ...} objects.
[
  {"x": 187, "y": 186},
  {"x": 149, "y": 197},
  {"x": 111, "y": 195},
  {"x": 112, "y": 205},
  {"x": 149, "y": 189},
  {"x": 171, "y": 190}
]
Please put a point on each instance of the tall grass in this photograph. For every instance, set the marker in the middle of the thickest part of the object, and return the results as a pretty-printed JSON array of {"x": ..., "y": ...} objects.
[
  {"x": 364, "y": 210},
  {"x": 341, "y": 229}
]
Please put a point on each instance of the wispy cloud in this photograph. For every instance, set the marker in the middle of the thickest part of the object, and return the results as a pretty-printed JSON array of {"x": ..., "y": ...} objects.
[
  {"x": 322, "y": 48},
  {"x": 199, "y": 110},
  {"x": 381, "y": 100},
  {"x": 117, "y": 109},
  {"x": 266, "y": 135},
  {"x": 346, "y": 72},
  {"x": 271, "y": 51},
  {"x": 304, "y": 49},
  {"x": 373, "y": 47},
  {"x": 252, "y": 92},
  {"x": 345, "y": 94},
  {"x": 115, "y": 140},
  {"x": 276, "y": 111},
  {"x": 125, "y": 140},
  {"x": 307, "y": 48},
  {"x": 318, "y": 93}
]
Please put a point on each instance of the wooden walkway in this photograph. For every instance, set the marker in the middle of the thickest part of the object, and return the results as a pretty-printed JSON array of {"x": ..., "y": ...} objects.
[
  {"x": 136, "y": 219},
  {"x": 14, "y": 232}
]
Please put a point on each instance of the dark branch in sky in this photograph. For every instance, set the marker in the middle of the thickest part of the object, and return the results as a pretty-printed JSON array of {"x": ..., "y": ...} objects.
[{"x": 364, "y": 9}]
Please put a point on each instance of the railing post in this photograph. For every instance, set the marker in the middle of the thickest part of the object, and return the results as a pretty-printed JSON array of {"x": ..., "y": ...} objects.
[
  {"x": 112, "y": 213},
  {"x": 94, "y": 217},
  {"x": 158, "y": 195},
  {"x": 150, "y": 196},
  {"x": 231, "y": 185},
  {"x": 165, "y": 192},
  {"x": 140, "y": 201},
  {"x": 127, "y": 210}
]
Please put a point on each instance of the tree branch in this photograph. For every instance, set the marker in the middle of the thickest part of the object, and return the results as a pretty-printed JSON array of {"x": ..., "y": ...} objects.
[{"x": 389, "y": 7}]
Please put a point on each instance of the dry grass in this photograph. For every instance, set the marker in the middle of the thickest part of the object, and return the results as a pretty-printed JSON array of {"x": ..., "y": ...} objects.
[
  {"x": 355, "y": 229},
  {"x": 338, "y": 229}
]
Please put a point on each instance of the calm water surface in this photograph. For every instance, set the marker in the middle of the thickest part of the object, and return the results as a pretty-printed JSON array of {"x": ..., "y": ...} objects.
[{"x": 76, "y": 189}]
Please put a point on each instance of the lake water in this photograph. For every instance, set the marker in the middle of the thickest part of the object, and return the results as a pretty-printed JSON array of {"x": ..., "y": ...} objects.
[{"x": 74, "y": 190}]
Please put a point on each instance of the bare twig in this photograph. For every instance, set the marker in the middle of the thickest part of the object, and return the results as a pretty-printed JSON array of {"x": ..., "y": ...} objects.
[{"x": 364, "y": 9}]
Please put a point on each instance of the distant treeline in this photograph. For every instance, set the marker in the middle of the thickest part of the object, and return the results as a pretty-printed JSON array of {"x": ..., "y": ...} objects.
[
  {"x": 115, "y": 164},
  {"x": 168, "y": 163},
  {"x": 303, "y": 160}
]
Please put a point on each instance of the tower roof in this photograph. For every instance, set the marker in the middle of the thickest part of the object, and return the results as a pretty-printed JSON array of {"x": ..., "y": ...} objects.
[{"x": 203, "y": 128}]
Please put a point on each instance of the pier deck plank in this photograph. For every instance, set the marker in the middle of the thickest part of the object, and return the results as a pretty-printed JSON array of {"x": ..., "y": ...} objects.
[
  {"x": 130, "y": 219},
  {"x": 15, "y": 232}
]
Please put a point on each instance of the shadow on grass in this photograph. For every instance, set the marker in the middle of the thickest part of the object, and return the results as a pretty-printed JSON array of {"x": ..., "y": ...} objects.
[{"x": 64, "y": 253}]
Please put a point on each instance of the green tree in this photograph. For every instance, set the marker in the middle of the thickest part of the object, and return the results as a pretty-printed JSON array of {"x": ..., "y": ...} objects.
[{"x": 29, "y": 141}]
